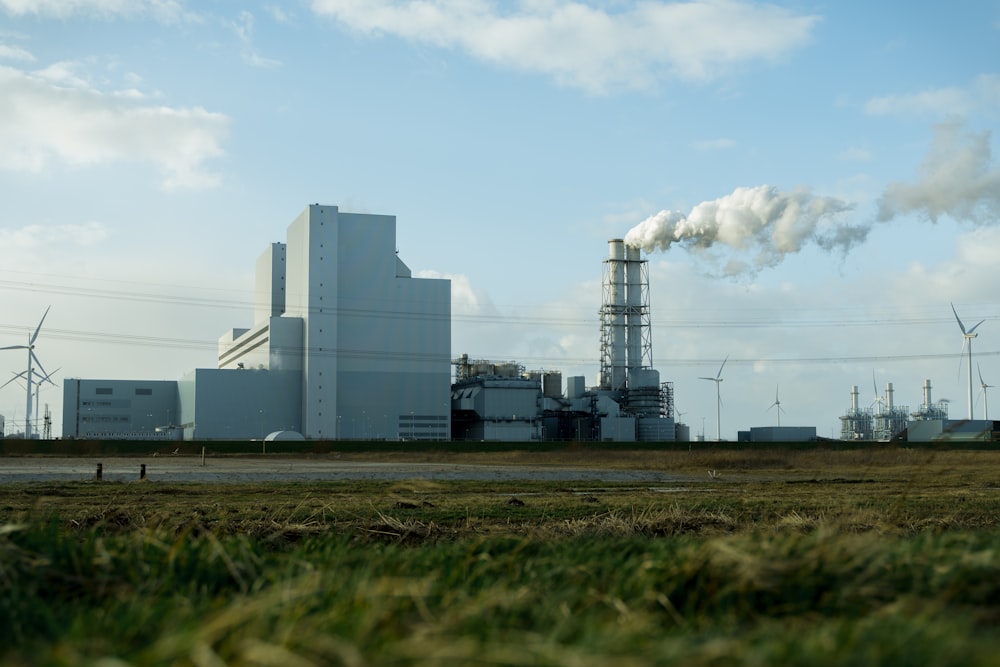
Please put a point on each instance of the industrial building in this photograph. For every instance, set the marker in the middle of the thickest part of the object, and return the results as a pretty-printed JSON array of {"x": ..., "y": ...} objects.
[
  {"x": 345, "y": 343},
  {"x": 503, "y": 401},
  {"x": 882, "y": 421}
]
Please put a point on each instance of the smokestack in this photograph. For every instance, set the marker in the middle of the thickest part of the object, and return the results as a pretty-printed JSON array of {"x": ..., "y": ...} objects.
[
  {"x": 854, "y": 398},
  {"x": 927, "y": 393},
  {"x": 613, "y": 317},
  {"x": 625, "y": 327},
  {"x": 888, "y": 397},
  {"x": 633, "y": 310}
]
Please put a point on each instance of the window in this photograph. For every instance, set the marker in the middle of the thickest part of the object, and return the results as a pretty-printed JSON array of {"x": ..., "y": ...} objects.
[
  {"x": 103, "y": 391},
  {"x": 143, "y": 391}
]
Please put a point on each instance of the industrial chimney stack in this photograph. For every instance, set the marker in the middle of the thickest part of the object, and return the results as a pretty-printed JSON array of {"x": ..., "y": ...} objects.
[{"x": 626, "y": 344}]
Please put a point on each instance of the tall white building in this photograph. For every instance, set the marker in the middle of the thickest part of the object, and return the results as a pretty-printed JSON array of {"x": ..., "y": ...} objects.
[{"x": 345, "y": 343}]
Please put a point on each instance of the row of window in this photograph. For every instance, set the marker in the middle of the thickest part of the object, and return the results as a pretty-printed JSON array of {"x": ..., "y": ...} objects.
[{"x": 107, "y": 391}]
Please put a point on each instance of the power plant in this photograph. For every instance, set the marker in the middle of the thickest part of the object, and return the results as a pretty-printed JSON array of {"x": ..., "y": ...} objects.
[
  {"x": 501, "y": 401},
  {"x": 346, "y": 344}
]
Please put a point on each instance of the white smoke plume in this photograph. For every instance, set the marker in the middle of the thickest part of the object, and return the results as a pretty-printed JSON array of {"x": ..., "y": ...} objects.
[
  {"x": 957, "y": 179},
  {"x": 762, "y": 221}
]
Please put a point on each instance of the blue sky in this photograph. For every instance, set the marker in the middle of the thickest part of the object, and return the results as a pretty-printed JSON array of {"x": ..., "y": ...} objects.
[{"x": 833, "y": 165}]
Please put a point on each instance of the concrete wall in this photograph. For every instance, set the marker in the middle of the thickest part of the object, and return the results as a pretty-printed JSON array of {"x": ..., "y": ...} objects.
[
  {"x": 224, "y": 404},
  {"x": 134, "y": 409},
  {"x": 782, "y": 433},
  {"x": 939, "y": 430}
]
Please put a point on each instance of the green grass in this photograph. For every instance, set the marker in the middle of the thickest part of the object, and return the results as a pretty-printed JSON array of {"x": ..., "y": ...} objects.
[
  {"x": 192, "y": 598},
  {"x": 794, "y": 558}
]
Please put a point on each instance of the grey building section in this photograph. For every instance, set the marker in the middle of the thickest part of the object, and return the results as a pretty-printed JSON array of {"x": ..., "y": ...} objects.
[
  {"x": 120, "y": 409},
  {"x": 952, "y": 430},
  {"x": 223, "y": 404},
  {"x": 345, "y": 343},
  {"x": 782, "y": 434}
]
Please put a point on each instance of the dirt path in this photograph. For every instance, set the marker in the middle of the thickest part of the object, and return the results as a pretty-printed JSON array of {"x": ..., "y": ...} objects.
[{"x": 266, "y": 468}]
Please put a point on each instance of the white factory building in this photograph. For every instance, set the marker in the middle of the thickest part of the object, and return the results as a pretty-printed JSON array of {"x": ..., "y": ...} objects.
[{"x": 345, "y": 343}]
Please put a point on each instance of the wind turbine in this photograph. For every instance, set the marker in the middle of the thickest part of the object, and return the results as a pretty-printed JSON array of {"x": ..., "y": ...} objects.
[
  {"x": 776, "y": 404},
  {"x": 982, "y": 383},
  {"x": 967, "y": 336},
  {"x": 718, "y": 399},
  {"x": 30, "y": 347},
  {"x": 38, "y": 385},
  {"x": 878, "y": 399}
]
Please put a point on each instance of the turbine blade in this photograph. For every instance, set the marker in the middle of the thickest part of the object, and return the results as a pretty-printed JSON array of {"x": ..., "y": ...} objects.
[
  {"x": 48, "y": 378},
  {"x": 981, "y": 381},
  {"x": 960, "y": 325},
  {"x": 39, "y": 327},
  {"x": 719, "y": 374},
  {"x": 38, "y": 363},
  {"x": 975, "y": 327},
  {"x": 16, "y": 377},
  {"x": 15, "y": 347}
]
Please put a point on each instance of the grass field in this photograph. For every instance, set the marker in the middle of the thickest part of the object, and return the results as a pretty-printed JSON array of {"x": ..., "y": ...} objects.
[{"x": 883, "y": 556}]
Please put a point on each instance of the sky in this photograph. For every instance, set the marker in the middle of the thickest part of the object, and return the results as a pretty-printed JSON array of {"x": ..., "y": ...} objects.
[{"x": 813, "y": 183}]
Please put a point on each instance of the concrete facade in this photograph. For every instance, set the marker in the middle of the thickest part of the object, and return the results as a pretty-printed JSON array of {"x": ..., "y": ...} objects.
[
  {"x": 345, "y": 343},
  {"x": 126, "y": 409}
]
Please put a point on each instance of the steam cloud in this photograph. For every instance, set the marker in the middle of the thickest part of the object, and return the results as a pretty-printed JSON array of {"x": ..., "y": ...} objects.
[
  {"x": 768, "y": 223},
  {"x": 956, "y": 179}
]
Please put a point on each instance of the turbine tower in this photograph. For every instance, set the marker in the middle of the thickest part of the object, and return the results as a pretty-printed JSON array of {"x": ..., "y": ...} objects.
[
  {"x": 967, "y": 336},
  {"x": 38, "y": 385},
  {"x": 776, "y": 404},
  {"x": 718, "y": 399},
  {"x": 30, "y": 347},
  {"x": 984, "y": 386}
]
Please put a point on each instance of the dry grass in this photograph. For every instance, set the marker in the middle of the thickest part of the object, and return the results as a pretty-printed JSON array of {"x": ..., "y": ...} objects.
[
  {"x": 890, "y": 491},
  {"x": 795, "y": 558}
]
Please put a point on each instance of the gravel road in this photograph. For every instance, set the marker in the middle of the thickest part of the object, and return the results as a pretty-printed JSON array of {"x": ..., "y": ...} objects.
[{"x": 287, "y": 469}]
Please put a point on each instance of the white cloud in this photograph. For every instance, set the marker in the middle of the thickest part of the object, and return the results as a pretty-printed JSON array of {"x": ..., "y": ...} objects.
[
  {"x": 55, "y": 115},
  {"x": 161, "y": 10},
  {"x": 244, "y": 30},
  {"x": 34, "y": 237},
  {"x": 279, "y": 14},
  {"x": 856, "y": 154},
  {"x": 15, "y": 53},
  {"x": 466, "y": 300},
  {"x": 957, "y": 179},
  {"x": 715, "y": 144},
  {"x": 982, "y": 94},
  {"x": 589, "y": 47}
]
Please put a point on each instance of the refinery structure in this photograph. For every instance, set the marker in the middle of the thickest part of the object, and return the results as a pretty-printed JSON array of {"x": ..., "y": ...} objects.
[
  {"x": 504, "y": 401},
  {"x": 885, "y": 421}
]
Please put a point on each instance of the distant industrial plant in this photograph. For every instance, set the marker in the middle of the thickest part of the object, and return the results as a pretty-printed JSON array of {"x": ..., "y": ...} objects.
[{"x": 346, "y": 344}]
